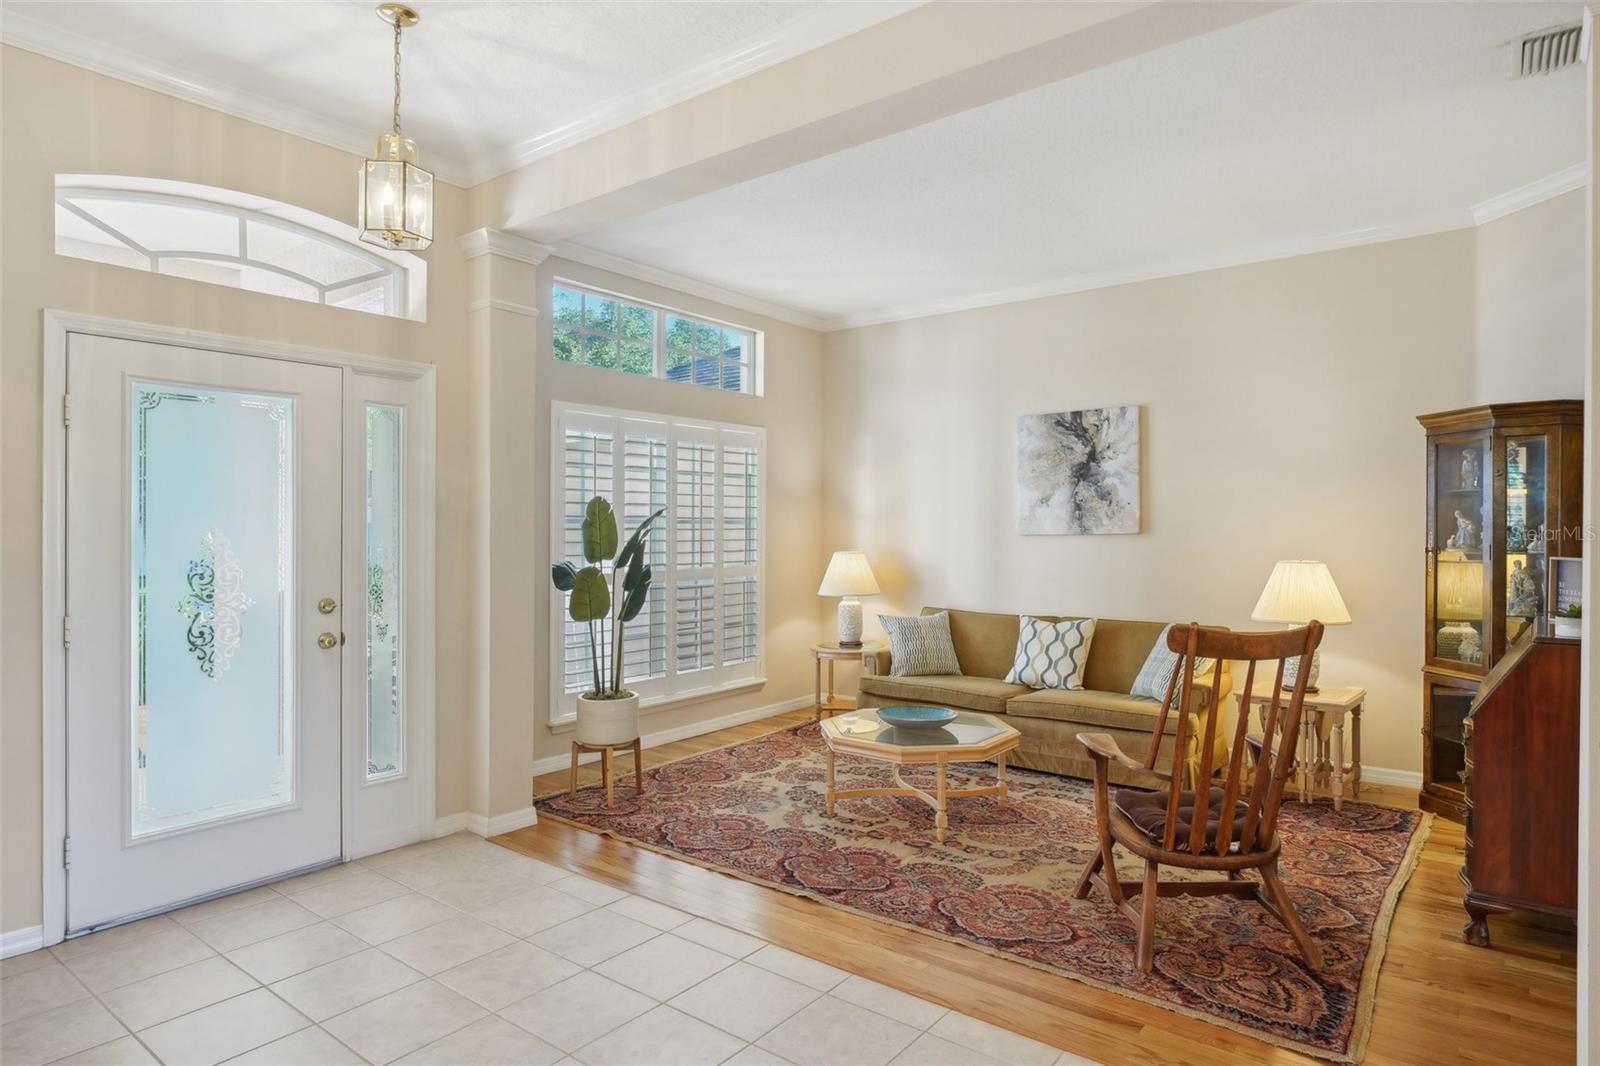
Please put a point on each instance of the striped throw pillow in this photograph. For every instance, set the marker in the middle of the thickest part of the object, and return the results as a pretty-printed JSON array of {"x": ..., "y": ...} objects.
[
  {"x": 1156, "y": 673},
  {"x": 920, "y": 645},
  {"x": 1051, "y": 654}
]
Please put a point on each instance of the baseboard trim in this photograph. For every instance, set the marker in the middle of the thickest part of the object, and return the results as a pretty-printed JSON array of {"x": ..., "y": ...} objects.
[
  {"x": 552, "y": 763},
  {"x": 505, "y": 823},
  {"x": 1382, "y": 775},
  {"x": 21, "y": 941},
  {"x": 454, "y": 823},
  {"x": 472, "y": 822}
]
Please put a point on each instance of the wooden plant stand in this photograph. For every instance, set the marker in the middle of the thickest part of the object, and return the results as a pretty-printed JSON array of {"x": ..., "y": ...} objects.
[{"x": 607, "y": 754}]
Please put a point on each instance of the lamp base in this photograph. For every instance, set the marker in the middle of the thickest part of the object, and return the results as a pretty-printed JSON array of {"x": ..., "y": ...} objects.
[
  {"x": 1291, "y": 671},
  {"x": 849, "y": 622}
]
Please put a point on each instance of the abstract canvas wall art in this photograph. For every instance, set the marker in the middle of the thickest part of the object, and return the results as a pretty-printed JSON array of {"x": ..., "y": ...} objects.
[{"x": 1078, "y": 471}]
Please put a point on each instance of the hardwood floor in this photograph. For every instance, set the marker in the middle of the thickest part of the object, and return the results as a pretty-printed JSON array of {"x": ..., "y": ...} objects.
[{"x": 1438, "y": 1000}]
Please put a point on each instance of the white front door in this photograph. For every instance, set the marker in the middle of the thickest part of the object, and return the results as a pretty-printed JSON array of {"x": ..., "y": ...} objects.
[{"x": 203, "y": 678}]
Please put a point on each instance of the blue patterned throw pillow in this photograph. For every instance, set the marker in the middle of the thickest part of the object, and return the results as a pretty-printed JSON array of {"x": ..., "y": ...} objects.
[
  {"x": 920, "y": 645},
  {"x": 1156, "y": 673},
  {"x": 1051, "y": 654}
]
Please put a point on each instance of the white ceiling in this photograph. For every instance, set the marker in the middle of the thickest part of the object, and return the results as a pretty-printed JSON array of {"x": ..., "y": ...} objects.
[
  {"x": 1319, "y": 126},
  {"x": 487, "y": 86}
]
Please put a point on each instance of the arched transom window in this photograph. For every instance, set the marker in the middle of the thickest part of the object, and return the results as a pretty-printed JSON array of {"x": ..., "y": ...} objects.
[{"x": 228, "y": 238}]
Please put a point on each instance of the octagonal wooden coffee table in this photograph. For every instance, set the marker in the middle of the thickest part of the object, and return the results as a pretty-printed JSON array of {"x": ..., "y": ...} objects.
[{"x": 970, "y": 737}]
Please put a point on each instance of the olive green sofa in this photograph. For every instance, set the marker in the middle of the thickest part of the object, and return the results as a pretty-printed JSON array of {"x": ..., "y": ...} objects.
[{"x": 1050, "y": 719}]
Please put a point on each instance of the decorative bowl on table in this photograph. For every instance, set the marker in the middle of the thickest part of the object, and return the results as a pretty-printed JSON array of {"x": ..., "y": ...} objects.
[{"x": 916, "y": 717}]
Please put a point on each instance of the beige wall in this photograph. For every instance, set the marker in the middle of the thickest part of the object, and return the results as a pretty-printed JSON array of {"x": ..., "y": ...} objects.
[
  {"x": 1532, "y": 343},
  {"x": 1280, "y": 405}
]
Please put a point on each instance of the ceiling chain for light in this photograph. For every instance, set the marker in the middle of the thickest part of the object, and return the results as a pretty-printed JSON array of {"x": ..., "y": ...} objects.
[{"x": 396, "y": 75}]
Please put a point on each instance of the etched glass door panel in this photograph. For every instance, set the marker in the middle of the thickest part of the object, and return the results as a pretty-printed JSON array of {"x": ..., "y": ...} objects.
[
  {"x": 213, "y": 717},
  {"x": 385, "y": 567},
  {"x": 204, "y": 576}
]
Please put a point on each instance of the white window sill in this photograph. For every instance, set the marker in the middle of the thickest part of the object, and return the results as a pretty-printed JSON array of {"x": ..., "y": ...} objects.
[{"x": 677, "y": 699}]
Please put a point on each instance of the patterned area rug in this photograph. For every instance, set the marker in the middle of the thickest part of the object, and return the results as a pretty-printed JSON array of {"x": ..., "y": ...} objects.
[{"x": 1003, "y": 879}]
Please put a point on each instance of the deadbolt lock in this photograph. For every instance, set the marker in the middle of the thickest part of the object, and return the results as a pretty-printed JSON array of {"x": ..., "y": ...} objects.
[
  {"x": 326, "y": 604},
  {"x": 326, "y": 641}
]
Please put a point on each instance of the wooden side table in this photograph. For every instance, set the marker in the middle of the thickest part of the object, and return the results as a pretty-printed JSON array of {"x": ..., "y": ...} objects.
[
  {"x": 1320, "y": 763},
  {"x": 607, "y": 755},
  {"x": 831, "y": 652}
]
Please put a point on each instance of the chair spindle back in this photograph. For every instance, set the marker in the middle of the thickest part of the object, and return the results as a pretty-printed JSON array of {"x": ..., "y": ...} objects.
[{"x": 1261, "y": 787}]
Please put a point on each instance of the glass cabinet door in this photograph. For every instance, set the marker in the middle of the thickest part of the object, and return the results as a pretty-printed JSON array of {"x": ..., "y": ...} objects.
[
  {"x": 1447, "y": 753},
  {"x": 1461, "y": 507},
  {"x": 1527, "y": 531}
]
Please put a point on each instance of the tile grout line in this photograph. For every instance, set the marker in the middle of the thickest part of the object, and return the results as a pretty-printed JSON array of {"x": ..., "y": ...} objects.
[
  {"x": 457, "y": 912},
  {"x": 823, "y": 994}
]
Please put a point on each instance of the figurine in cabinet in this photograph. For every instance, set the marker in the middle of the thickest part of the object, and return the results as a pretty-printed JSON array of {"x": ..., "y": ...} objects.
[
  {"x": 1469, "y": 470},
  {"x": 1524, "y": 599},
  {"x": 1466, "y": 534}
]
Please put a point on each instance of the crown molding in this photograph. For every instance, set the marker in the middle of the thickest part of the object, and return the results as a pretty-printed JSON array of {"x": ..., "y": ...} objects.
[
  {"x": 827, "y": 23},
  {"x": 32, "y": 35},
  {"x": 1535, "y": 192},
  {"x": 497, "y": 304},
  {"x": 706, "y": 290},
  {"x": 505, "y": 245},
  {"x": 1524, "y": 196},
  {"x": 1244, "y": 256}
]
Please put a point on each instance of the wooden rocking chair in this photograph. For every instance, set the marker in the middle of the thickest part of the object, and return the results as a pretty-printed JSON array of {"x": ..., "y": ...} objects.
[{"x": 1232, "y": 826}]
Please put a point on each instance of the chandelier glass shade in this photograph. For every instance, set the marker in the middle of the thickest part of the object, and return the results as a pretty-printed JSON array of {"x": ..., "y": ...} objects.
[{"x": 394, "y": 196}]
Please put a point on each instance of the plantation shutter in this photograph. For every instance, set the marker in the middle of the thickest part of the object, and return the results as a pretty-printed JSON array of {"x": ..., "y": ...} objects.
[
  {"x": 644, "y": 492},
  {"x": 701, "y": 626},
  {"x": 588, "y": 469},
  {"x": 740, "y": 537},
  {"x": 694, "y": 473}
]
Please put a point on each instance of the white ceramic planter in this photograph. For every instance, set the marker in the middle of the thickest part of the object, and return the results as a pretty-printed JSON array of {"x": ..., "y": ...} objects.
[
  {"x": 1566, "y": 627},
  {"x": 608, "y": 722}
]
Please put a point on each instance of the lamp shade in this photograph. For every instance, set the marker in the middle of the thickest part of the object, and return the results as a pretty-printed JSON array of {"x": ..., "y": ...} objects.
[
  {"x": 1299, "y": 591},
  {"x": 848, "y": 575},
  {"x": 1460, "y": 588}
]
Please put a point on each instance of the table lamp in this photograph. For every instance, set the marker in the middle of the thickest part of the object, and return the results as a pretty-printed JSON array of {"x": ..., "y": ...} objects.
[
  {"x": 848, "y": 577},
  {"x": 1299, "y": 591}
]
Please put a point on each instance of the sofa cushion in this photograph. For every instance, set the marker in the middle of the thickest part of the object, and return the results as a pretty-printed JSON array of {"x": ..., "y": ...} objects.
[
  {"x": 1148, "y": 811},
  {"x": 1051, "y": 654},
  {"x": 1120, "y": 649},
  {"x": 1117, "y": 710},
  {"x": 1159, "y": 666},
  {"x": 920, "y": 646},
  {"x": 985, "y": 643},
  {"x": 985, "y": 694}
]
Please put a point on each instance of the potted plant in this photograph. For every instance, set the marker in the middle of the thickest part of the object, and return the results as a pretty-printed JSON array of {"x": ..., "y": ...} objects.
[
  {"x": 1568, "y": 621},
  {"x": 608, "y": 714}
]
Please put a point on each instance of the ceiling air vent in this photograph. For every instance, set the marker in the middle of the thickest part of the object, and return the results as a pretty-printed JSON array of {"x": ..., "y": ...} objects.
[{"x": 1550, "y": 50}]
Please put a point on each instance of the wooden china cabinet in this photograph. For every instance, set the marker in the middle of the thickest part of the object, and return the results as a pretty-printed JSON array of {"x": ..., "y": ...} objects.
[{"x": 1505, "y": 496}]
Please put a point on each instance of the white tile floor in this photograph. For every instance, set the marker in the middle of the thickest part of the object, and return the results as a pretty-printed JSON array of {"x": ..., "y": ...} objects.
[{"x": 462, "y": 952}]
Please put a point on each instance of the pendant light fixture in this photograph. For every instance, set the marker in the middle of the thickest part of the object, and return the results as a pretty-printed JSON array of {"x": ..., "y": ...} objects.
[{"x": 394, "y": 196}]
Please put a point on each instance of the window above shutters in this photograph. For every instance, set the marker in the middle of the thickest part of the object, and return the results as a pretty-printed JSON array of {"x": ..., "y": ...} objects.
[
  {"x": 701, "y": 630},
  {"x": 600, "y": 329}
]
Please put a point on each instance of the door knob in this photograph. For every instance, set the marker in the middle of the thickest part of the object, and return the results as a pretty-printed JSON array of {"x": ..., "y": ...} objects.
[
  {"x": 326, "y": 604},
  {"x": 326, "y": 641}
]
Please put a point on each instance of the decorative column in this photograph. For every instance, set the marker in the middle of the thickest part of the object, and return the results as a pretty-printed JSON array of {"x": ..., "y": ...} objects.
[{"x": 503, "y": 297}]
